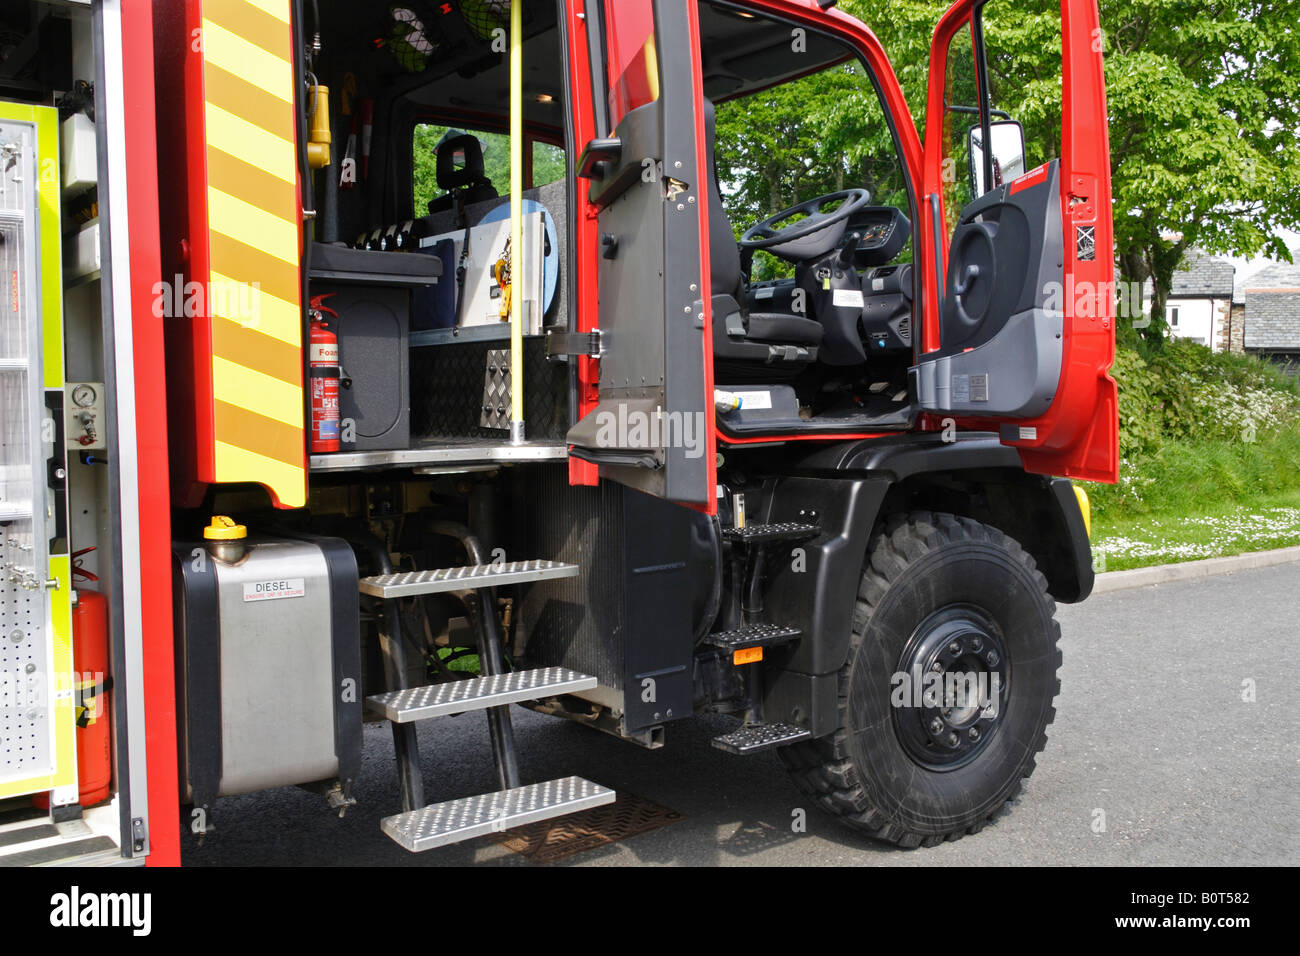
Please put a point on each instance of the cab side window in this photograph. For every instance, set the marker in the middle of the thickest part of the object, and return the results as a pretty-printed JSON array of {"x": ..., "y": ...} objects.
[
  {"x": 961, "y": 112},
  {"x": 548, "y": 163},
  {"x": 807, "y": 137},
  {"x": 429, "y": 137},
  {"x": 972, "y": 166}
]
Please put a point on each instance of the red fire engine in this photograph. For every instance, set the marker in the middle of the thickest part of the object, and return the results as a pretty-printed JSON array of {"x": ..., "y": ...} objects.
[{"x": 609, "y": 426}]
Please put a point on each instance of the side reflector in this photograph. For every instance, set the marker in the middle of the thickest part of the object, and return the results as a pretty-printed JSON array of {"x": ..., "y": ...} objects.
[{"x": 748, "y": 655}]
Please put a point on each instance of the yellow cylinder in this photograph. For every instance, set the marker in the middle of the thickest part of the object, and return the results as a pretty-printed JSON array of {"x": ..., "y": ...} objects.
[{"x": 318, "y": 140}]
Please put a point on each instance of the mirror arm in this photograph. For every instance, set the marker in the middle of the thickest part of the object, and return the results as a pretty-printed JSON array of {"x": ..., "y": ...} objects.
[{"x": 974, "y": 110}]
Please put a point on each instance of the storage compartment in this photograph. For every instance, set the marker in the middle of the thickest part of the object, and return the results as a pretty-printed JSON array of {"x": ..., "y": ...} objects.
[
  {"x": 371, "y": 292},
  {"x": 268, "y": 664}
]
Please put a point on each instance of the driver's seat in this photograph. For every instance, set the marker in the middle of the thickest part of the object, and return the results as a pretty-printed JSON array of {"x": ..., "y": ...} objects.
[{"x": 783, "y": 341}]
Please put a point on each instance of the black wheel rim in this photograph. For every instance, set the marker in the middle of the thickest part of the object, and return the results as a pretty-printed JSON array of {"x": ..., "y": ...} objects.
[{"x": 950, "y": 691}]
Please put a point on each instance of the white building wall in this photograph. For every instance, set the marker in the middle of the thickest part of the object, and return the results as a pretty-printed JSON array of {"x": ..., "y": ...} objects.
[{"x": 1198, "y": 319}]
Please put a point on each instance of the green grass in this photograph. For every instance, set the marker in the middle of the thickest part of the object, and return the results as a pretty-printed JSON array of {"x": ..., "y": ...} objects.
[
  {"x": 1139, "y": 542},
  {"x": 1200, "y": 499},
  {"x": 466, "y": 664}
]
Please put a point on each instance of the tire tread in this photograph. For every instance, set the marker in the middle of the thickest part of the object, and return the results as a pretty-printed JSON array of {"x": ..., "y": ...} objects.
[{"x": 823, "y": 768}]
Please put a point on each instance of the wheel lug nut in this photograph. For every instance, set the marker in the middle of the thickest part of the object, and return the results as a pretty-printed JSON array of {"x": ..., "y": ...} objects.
[
  {"x": 974, "y": 733},
  {"x": 954, "y": 647},
  {"x": 993, "y": 658},
  {"x": 976, "y": 644},
  {"x": 953, "y": 739},
  {"x": 936, "y": 725},
  {"x": 937, "y": 666}
]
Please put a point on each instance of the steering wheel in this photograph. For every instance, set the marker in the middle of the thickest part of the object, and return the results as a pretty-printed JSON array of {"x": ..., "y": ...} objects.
[{"x": 817, "y": 227}]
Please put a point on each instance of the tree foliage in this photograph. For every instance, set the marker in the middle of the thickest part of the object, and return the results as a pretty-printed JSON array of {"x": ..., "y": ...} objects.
[
  {"x": 1204, "y": 104},
  {"x": 815, "y": 135}
]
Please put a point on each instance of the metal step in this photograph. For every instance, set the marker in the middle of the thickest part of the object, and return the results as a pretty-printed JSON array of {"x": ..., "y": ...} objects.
[
  {"x": 410, "y": 583},
  {"x": 764, "y": 533},
  {"x": 753, "y": 635},
  {"x": 755, "y": 738},
  {"x": 479, "y": 693},
  {"x": 469, "y": 817},
  {"x": 28, "y": 838}
]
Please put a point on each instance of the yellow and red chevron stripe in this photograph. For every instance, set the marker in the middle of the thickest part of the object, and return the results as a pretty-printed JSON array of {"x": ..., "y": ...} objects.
[{"x": 253, "y": 242}]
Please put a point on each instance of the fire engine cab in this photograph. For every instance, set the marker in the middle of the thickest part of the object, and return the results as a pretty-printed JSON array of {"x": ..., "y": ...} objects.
[{"x": 366, "y": 364}]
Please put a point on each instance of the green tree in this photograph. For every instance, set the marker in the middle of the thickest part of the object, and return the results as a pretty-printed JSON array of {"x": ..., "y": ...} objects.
[
  {"x": 1205, "y": 106},
  {"x": 1204, "y": 103},
  {"x": 424, "y": 174},
  {"x": 789, "y": 143}
]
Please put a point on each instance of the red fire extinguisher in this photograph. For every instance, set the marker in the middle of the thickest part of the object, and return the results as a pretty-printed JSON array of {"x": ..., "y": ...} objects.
[
  {"x": 324, "y": 378},
  {"x": 90, "y": 667}
]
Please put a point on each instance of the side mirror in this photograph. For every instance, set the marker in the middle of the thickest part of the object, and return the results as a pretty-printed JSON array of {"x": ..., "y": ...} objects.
[{"x": 1008, "y": 149}]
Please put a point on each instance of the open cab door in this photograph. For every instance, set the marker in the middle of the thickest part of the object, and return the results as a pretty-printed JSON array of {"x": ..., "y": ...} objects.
[
  {"x": 652, "y": 427},
  {"x": 1018, "y": 265}
]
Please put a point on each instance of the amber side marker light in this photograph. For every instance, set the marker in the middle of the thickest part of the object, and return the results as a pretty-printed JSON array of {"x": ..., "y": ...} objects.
[{"x": 748, "y": 655}]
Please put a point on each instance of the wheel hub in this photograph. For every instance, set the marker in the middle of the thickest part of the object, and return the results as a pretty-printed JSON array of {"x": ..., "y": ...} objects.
[{"x": 950, "y": 688}]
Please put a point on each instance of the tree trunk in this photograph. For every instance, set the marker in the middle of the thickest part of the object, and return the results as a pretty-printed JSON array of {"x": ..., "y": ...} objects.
[
  {"x": 774, "y": 204},
  {"x": 1153, "y": 258},
  {"x": 1164, "y": 259}
]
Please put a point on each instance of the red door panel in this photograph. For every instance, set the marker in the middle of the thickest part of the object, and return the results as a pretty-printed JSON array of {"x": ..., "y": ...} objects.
[{"x": 1056, "y": 350}]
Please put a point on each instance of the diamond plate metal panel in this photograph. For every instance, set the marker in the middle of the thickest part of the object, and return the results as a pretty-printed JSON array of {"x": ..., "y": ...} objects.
[
  {"x": 496, "y": 390},
  {"x": 446, "y": 377}
]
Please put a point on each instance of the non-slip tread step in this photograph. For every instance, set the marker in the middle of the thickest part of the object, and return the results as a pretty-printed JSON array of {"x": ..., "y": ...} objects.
[
  {"x": 764, "y": 533},
  {"x": 478, "y": 693},
  {"x": 69, "y": 852},
  {"x": 457, "y": 820},
  {"x": 753, "y": 635},
  {"x": 755, "y": 738},
  {"x": 411, "y": 583}
]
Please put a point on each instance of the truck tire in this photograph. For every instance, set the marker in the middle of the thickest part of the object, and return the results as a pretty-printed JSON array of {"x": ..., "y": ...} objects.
[{"x": 948, "y": 595}]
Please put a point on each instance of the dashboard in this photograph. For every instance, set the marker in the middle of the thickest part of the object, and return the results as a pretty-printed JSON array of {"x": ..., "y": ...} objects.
[
  {"x": 882, "y": 232},
  {"x": 865, "y": 309}
]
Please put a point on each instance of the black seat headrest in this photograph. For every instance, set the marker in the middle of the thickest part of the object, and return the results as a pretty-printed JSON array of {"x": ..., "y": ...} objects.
[{"x": 460, "y": 162}]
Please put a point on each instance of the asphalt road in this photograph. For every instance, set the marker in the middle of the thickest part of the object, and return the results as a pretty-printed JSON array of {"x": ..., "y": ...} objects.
[{"x": 1151, "y": 729}]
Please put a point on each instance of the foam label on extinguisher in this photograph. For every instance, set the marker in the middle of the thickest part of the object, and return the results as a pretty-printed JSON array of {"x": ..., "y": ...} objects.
[
  {"x": 275, "y": 589},
  {"x": 324, "y": 353}
]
